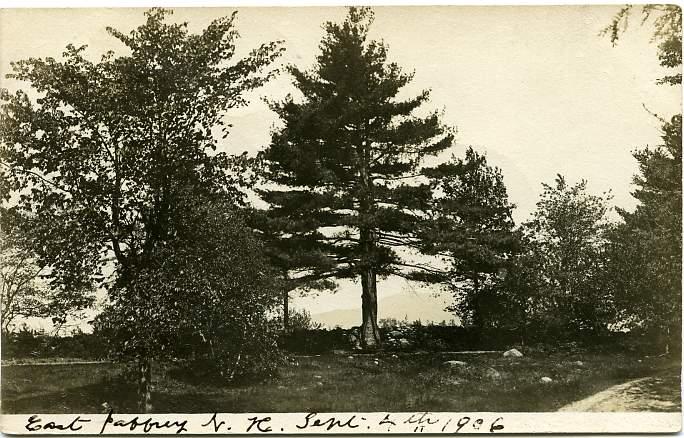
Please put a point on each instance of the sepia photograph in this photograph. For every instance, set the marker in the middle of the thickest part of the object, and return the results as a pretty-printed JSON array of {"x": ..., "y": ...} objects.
[{"x": 341, "y": 219}]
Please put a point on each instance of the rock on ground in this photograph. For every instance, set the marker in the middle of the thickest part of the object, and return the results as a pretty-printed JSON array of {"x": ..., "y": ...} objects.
[
  {"x": 493, "y": 374},
  {"x": 513, "y": 353},
  {"x": 454, "y": 364}
]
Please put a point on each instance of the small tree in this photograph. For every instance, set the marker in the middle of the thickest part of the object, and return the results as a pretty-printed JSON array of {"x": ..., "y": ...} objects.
[
  {"x": 471, "y": 225},
  {"x": 206, "y": 297},
  {"x": 103, "y": 158},
  {"x": 342, "y": 163},
  {"x": 288, "y": 245},
  {"x": 25, "y": 291},
  {"x": 567, "y": 239}
]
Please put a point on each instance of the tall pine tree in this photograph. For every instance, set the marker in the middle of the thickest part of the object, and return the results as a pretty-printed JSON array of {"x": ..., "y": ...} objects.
[
  {"x": 646, "y": 250},
  {"x": 346, "y": 160}
]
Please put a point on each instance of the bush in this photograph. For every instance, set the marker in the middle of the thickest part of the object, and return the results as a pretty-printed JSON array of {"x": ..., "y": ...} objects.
[
  {"x": 297, "y": 320},
  {"x": 205, "y": 296},
  {"x": 317, "y": 341},
  {"x": 30, "y": 344}
]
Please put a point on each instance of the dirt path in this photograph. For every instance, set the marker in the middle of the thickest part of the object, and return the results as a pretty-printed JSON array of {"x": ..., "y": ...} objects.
[
  {"x": 53, "y": 363},
  {"x": 657, "y": 393}
]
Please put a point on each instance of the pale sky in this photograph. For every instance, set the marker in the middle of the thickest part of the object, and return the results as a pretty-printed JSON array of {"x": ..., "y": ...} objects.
[{"x": 534, "y": 87}]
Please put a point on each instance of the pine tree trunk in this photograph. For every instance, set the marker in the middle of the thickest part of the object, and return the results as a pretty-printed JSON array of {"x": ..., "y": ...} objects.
[
  {"x": 370, "y": 334},
  {"x": 144, "y": 385}
]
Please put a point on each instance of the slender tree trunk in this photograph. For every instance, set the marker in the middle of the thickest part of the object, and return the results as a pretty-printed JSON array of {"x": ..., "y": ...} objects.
[
  {"x": 370, "y": 334},
  {"x": 286, "y": 311},
  {"x": 667, "y": 340},
  {"x": 144, "y": 385}
]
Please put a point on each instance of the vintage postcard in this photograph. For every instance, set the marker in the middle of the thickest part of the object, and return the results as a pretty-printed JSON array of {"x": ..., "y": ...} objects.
[{"x": 341, "y": 220}]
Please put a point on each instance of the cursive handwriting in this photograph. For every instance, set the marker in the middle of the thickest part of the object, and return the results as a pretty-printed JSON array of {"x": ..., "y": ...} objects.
[
  {"x": 256, "y": 421},
  {"x": 329, "y": 423},
  {"x": 217, "y": 424},
  {"x": 35, "y": 423},
  {"x": 316, "y": 422},
  {"x": 147, "y": 424}
]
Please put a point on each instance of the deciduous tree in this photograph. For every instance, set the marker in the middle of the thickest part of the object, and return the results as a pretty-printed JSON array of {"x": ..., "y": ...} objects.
[
  {"x": 101, "y": 159},
  {"x": 25, "y": 290},
  {"x": 567, "y": 239}
]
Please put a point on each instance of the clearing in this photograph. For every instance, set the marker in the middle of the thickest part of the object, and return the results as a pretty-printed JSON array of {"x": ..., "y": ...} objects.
[{"x": 342, "y": 383}]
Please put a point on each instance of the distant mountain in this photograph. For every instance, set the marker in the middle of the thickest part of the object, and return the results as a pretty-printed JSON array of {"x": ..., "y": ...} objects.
[{"x": 405, "y": 305}]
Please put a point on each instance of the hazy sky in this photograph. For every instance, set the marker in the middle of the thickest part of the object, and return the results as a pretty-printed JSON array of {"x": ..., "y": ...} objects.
[{"x": 534, "y": 87}]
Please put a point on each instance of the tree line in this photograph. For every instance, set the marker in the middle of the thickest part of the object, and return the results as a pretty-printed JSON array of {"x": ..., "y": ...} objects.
[{"x": 112, "y": 179}]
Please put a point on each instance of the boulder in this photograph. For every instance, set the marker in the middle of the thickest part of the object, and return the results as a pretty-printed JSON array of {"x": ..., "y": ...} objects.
[
  {"x": 396, "y": 334},
  {"x": 579, "y": 363},
  {"x": 546, "y": 380},
  {"x": 492, "y": 374},
  {"x": 354, "y": 341},
  {"x": 318, "y": 377},
  {"x": 404, "y": 343},
  {"x": 513, "y": 353}
]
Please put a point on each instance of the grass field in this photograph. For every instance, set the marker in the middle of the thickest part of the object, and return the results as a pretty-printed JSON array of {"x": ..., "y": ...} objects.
[{"x": 417, "y": 382}]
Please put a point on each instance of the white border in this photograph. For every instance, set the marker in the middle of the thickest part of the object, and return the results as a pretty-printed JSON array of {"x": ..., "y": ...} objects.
[
  {"x": 289, "y": 3},
  {"x": 365, "y": 423}
]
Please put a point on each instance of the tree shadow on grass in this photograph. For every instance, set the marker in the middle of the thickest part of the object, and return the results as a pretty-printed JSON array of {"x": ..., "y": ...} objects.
[
  {"x": 120, "y": 395},
  {"x": 88, "y": 399}
]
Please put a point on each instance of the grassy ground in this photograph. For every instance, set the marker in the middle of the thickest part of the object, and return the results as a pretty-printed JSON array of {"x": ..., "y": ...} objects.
[{"x": 340, "y": 383}]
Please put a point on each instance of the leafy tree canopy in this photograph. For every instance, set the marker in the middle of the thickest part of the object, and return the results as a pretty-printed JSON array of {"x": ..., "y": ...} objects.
[
  {"x": 667, "y": 20},
  {"x": 566, "y": 258},
  {"x": 103, "y": 162},
  {"x": 25, "y": 291}
]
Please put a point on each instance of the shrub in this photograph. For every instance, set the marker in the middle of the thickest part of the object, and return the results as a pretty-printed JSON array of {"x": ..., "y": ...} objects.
[{"x": 27, "y": 343}]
